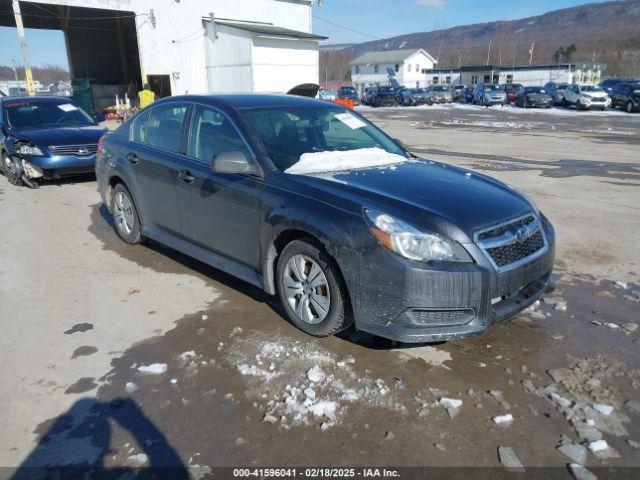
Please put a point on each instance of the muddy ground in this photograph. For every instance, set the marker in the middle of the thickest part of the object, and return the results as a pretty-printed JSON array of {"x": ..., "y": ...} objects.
[{"x": 116, "y": 356}]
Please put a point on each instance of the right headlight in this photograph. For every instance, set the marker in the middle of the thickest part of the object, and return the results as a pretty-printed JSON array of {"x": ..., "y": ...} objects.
[{"x": 408, "y": 242}]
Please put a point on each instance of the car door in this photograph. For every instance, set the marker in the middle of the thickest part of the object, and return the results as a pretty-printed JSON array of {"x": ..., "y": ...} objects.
[
  {"x": 156, "y": 139},
  {"x": 219, "y": 211}
]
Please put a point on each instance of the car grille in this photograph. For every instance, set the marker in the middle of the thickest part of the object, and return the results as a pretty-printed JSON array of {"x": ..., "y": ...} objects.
[
  {"x": 78, "y": 150},
  {"x": 516, "y": 251},
  {"x": 597, "y": 99},
  {"x": 509, "y": 243},
  {"x": 437, "y": 318}
]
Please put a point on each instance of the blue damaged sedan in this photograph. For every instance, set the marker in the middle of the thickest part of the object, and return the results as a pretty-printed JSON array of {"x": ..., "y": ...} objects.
[
  {"x": 45, "y": 138},
  {"x": 313, "y": 203}
]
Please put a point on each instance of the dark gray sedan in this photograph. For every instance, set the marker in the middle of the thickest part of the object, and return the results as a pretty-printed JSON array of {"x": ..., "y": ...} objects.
[
  {"x": 534, "y": 97},
  {"x": 313, "y": 203}
]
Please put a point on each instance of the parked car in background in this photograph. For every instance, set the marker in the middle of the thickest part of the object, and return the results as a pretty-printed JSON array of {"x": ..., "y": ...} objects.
[
  {"x": 45, "y": 138},
  {"x": 626, "y": 96},
  {"x": 466, "y": 95},
  {"x": 400, "y": 93},
  {"x": 384, "y": 97},
  {"x": 586, "y": 97},
  {"x": 556, "y": 90},
  {"x": 348, "y": 93},
  {"x": 610, "y": 84},
  {"x": 285, "y": 193},
  {"x": 489, "y": 94},
  {"x": 416, "y": 96},
  {"x": 511, "y": 89},
  {"x": 455, "y": 92},
  {"x": 326, "y": 94},
  {"x": 367, "y": 96},
  {"x": 533, "y": 97},
  {"x": 439, "y": 94}
]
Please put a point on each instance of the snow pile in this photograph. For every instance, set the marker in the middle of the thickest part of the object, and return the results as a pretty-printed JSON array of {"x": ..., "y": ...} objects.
[
  {"x": 323, "y": 162},
  {"x": 153, "y": 369}
]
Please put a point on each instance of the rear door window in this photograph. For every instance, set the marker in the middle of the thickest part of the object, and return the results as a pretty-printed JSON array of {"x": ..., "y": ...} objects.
[
  {"x": 213, "y": 133},
  {"x": 164, "y": 127},
  {"x": 139, "y": 128}
]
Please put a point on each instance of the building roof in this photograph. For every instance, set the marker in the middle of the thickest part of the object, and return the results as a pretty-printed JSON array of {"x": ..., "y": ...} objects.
[
  {"x": 388, "y": 56},
  {"x": 270, "y": 30},
  {"x": 506, "y": 68}
]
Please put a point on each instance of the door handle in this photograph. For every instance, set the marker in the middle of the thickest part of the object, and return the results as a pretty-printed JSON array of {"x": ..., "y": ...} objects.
[
  {"x": 186, "y": 176},
  {"x": 133, "y": 158}
]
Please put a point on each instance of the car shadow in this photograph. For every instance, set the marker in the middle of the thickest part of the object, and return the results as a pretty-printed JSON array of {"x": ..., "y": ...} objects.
[
  {"x": 351, "y": 335},
  {"x": 77, "y": 444}
]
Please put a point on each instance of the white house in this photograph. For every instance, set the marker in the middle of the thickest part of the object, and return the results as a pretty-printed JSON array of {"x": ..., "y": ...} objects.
[
  {"x": 528, "y": 75},
  {"x": 370, "y": 69},
  {"x": 188, "y": 46}
]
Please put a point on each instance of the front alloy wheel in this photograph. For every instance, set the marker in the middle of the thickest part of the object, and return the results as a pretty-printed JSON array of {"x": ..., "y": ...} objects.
[
  {"x": 11, "y": 170},
  {"x": 306, "y": 288},
  {"x": 311, "y": 289}
]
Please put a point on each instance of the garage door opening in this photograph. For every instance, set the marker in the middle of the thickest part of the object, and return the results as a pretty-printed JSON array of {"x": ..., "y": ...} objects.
[{"x": 102, "y": 48}]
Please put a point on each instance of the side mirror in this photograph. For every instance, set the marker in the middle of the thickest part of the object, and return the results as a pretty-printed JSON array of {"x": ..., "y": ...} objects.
[
  {"x": 232, "y": 162},
  {"x": 400, "y": 143}
]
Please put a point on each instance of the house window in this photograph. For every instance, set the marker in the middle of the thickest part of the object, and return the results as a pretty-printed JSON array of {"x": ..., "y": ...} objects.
[
  {"x": 496, "y": 79},
  {"x": 357, "y": 68},
  {"x": 474, "y": 79},
  {"x": 436, "y": 80},
  {"x": 397, "y": 67},
  {"x": 417, "y": 67},
  {"x": 509, "y": 79},
  {"x": 375, "y": 69},
  {"x": 448, "y": 80},
  {"x": 417, "y": 84},
  {"x": 487, "y": 78}
]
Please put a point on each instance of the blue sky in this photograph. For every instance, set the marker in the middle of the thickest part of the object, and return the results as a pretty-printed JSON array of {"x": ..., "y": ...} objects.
[
  {"x": 388, "y": 18},
  {"x": 377, "y": 18}
]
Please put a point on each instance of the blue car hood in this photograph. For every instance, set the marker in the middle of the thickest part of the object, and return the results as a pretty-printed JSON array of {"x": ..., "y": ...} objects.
[
  {"x": 60, "y": 136},
  {"x": 428, "y": 194}
]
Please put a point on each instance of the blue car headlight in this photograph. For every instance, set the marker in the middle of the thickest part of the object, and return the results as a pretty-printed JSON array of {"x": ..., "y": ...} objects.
[
  {"x": 408, "y": 242},
  {"x": 29, "y": 149}
]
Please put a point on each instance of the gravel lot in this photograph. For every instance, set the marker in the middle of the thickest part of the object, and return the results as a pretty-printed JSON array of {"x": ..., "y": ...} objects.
[{"x": 125, "y": 356}]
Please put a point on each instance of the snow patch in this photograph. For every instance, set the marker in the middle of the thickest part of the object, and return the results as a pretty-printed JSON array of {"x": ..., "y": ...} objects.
[
  {"x": 153, "y": 369},
  {"x": 323, "y": 162}
]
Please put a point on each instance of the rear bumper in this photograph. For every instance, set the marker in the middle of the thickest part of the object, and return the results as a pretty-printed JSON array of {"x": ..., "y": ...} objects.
[{"x": 419, "y": 303}]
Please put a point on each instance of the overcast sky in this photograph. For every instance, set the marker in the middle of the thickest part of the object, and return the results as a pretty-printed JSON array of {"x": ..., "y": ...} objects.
[
  {"x": 376, "y": 18},
  {"x": 388, "y": 18}
]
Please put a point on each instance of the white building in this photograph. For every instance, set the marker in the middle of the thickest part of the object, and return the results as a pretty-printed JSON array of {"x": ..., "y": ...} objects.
[
  {"x": 188, "y": 46},
  {"x": 528, "y": 75},
  {"x": 370, "y": 69}
]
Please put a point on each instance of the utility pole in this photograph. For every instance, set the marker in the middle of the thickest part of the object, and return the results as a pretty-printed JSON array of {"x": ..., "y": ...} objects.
[
  {"x": 15, "y": 71},
  {"x": 489, "y": 53},
  {"x": 533, "y": 44},
  {"x": 23, "y": 47},
  {"x": 515, "y": 52}
]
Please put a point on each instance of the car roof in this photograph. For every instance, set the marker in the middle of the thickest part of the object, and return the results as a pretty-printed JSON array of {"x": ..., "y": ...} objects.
[{"x": 249, "y": 100}]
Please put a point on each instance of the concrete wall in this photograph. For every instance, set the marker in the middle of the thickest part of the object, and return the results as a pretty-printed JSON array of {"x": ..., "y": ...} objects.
[{"x": 177, "y": 45}]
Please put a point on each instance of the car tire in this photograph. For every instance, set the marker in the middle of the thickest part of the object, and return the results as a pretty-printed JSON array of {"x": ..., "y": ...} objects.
[
  {"x": 300, "y": 297},
  {"x": 13, "y": 173},
  {"x": 629, "y": 107},
  {"x": 125, "y": 215}
]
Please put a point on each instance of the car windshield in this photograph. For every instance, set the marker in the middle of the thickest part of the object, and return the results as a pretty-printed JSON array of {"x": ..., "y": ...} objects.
[
  {"x": 440, "y": 88},
  {"x": 385, "y": 90},
  {"x": 535, "y": 90},
  {"x": 289, "y": 132},
  {"x": 491, "y": 88},
  {"x": 348, "y": 90},
  {"x": 418, "y": 90},
  {"x": 590, "y": 88},
  {"x": 29, "y": 114}
]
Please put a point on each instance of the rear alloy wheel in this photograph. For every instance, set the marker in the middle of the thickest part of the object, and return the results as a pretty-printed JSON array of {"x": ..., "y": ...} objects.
[
  {"x": 311, "y": 290},
  {"x": 629, "y": 107},
  {"x": 11, "y": 170},
  {"x": 125, "y": 215}
]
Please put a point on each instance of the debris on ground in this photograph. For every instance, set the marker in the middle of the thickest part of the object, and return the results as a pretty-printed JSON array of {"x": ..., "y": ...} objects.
[
  {"x": 509, "y": 460},
  {"x": 130, "y": 387},
  {"x": 621, "y": 284},
  {"x": 136, "y": 461},
  {"x": 578, "y": 472},
  {"x": 451, "y": 405},
  {"x": 503, "y": 420},
  {"x": 153, "y": 369},
  {"x": 577, "y": 453}
]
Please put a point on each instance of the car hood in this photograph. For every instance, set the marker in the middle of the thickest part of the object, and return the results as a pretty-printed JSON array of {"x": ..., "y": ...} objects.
[
  {"x": 430, "y": 195},
  {"x": 595, "y": 94},
  {"x": 60, "y": 136}
]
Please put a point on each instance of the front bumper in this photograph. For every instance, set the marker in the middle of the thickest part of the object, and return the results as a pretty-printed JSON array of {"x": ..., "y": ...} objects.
[
  {"x": 594, "y": 105},
  {"x": 54, "y": 167},
  {"x": 540, "y": 103},
  {"x": 418, "y": 303}
]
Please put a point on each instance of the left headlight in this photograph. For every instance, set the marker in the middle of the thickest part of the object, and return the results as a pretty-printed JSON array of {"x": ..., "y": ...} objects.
[
  {"x": 408, "y": 242},
  {"x": 29, "y": 149}
]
